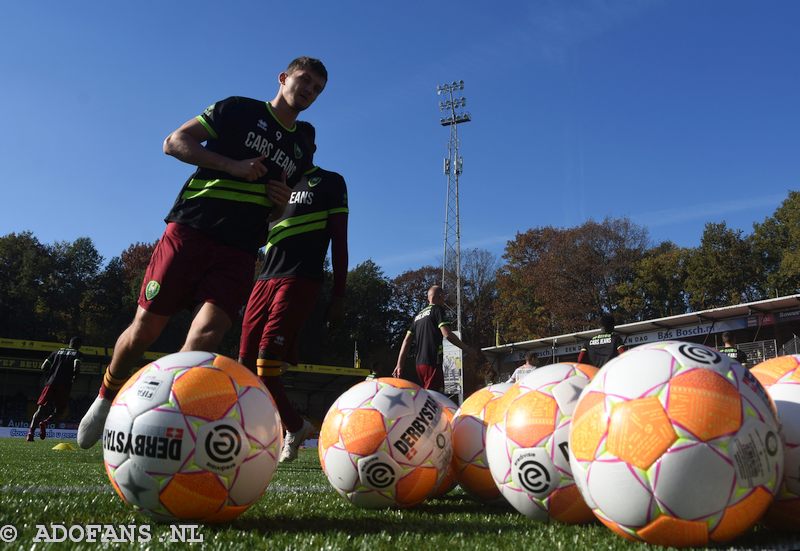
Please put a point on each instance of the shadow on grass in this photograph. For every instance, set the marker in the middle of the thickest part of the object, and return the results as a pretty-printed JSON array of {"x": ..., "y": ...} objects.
[{"x": 322, "y": 525}]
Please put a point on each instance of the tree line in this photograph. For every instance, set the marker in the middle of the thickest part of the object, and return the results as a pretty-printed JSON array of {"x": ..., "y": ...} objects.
[{"x": 548, "y": 281}]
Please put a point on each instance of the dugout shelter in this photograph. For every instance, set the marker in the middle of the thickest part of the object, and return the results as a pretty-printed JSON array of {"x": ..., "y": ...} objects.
[{"x": 763, "y": 329}]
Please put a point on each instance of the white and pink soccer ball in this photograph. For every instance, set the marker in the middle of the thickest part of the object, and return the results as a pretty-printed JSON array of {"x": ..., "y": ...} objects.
[
  {"x": 527, "y": 439},
  {"x": 385, "y": 443},
  {"x": 673, "y": 443},
  {"x": 781, "y": 377},
  {"x": 192, "y": 436}
]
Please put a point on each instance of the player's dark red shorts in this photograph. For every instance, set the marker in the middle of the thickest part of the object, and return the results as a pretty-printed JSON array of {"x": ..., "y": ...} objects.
[
  {"x": 275, "y": 314},
  {"x": 55, "y": 395},
  {"x": 431, "y": 377},
  {"x": 189, "y": 268}
]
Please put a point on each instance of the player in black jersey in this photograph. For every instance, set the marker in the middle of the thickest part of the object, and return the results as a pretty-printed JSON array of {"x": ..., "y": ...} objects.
[
  {"x": 428, "y": 330},
  {"x": 601, "y": 348},
  {"x": 287, "y": 288},
  {"x": 730, "y": 350},
  {"x": 62, "y": 368},
  {"x": 253, "y": 154}
]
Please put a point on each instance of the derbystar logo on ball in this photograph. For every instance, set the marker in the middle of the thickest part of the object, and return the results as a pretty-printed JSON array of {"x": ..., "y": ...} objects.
[{"x": 419, "y": 426}]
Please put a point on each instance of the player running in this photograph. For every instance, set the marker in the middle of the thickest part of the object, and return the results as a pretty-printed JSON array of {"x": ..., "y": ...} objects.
[
  {"x": 206, "y": 257},
  {"x": 61, "y": 368},
  {"x": 287, "y": 288}
]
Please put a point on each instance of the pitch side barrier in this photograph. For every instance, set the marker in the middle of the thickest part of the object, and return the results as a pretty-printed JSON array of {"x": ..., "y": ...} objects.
[{"x": 25, "y": 355}]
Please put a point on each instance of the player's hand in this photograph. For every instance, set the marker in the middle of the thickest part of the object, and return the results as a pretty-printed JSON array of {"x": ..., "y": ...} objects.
[
  {"x": 397, "y": 371},
  {"x": 278, "y": 192},
  {"x": 248, "y": 169},
  {"x": 335, "y": 313}
]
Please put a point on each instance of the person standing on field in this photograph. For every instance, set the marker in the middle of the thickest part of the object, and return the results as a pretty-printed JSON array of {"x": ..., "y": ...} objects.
[
  {"x": 428, "y": 331},
  {"x": 603, "y": 347},
  {"x": 205, "y": 260},
  {"x": 531, "y": 363},
  {"x": 729, "y": 349},
  {"x": 287, "y": 288}
]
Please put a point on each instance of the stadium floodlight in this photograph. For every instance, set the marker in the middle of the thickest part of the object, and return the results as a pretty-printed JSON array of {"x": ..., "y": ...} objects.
[{"x": 451, "y": 107}]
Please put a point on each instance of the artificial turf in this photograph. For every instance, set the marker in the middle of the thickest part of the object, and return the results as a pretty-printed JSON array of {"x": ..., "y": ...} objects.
[{"x": 41, "y": 488}]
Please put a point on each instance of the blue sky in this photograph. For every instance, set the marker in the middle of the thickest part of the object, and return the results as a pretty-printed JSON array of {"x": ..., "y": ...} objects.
[{"x": 671, "y": 113}]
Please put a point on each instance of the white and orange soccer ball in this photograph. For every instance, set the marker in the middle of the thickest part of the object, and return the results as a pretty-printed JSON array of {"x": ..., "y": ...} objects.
[
  {"x": 781, "y": 377},
  {"x": 527, "y": 439},
  {"x": 448, "y": 482},
  {"x": 192, "y": 436},
  {"x": 469, "y": 443},
  {"x": 675, "y": 444},
  {"x": 384, "y": 443}
]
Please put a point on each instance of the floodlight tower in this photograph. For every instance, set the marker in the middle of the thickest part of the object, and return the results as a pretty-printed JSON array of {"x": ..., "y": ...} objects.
[{"x": 452, "y": 107}]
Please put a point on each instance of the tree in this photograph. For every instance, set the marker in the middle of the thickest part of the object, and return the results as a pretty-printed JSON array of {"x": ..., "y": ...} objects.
[
  {"x": 657, "y": 289},
  {"x": 479, "y": 280},
  {"x": 776, "y": 245},
  {"x": 133, "y": 263},
  {"x": 368, "y": 319},
  {"x": 25, "y": 266},
  {"x": 409, "y": 296},
  {"x": 75, "y": 269},
  {"x": 561, "y": 280},
  {"x": 520, "y": 313},
  {"x": 723, "y": 270}
]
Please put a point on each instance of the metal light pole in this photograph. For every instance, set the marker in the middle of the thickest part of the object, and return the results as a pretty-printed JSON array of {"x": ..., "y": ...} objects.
[{"x": 452, "y": 107}]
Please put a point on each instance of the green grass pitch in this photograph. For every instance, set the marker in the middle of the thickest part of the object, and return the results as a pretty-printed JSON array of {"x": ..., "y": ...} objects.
[{"x": 41, "y": 486}]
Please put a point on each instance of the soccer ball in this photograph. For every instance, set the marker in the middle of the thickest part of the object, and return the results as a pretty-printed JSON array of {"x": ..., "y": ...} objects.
[
  {"x": 781, "y": 377},
  {"x": 469, "y": 443},
  {"x": 527, "y": 439},
  {"x": 676, "y": 444},
  {"x": 448, "y": 481},
  {"x": 192, "y": 436},
  {"x": 384, "y": 443}
]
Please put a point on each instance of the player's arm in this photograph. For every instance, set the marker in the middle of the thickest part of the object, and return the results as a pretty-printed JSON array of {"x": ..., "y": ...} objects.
[
  {"x": 186, "y": 144},
  {"x": 48, "y": 363},
  {"x": 454, "y": 340},
  {"x": 620, "y": 344},
  {"x": 337, "y": 226},
  {"x": 76, "y": 369},
  {"x": 401, "y": 358}
]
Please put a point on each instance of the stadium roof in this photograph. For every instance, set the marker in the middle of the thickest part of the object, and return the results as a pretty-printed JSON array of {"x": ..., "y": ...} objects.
[{"x": 768, "y": 306}]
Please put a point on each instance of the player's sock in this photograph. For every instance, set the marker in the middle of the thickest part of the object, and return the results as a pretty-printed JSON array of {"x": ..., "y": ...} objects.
[
  {"x": 269, "y": 371},
  {"x": 29, "y": 438},
  {"x": 293, "y": 441},
  {"x": 91, "y": 426},
  {"x": 43, "y": 428},
  {"x": 110, "y": 385}
]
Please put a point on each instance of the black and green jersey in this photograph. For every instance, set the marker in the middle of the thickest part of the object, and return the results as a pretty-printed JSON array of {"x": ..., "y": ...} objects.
[
  {"x": 235, "y": 212},
  {"x": 298, "y": 241},
  {"x": 62, "y": 366},
  {"x": 426, "y": 329},
  {"x": 602, "y": 348},
  {"x": 734, "y": 353}
]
